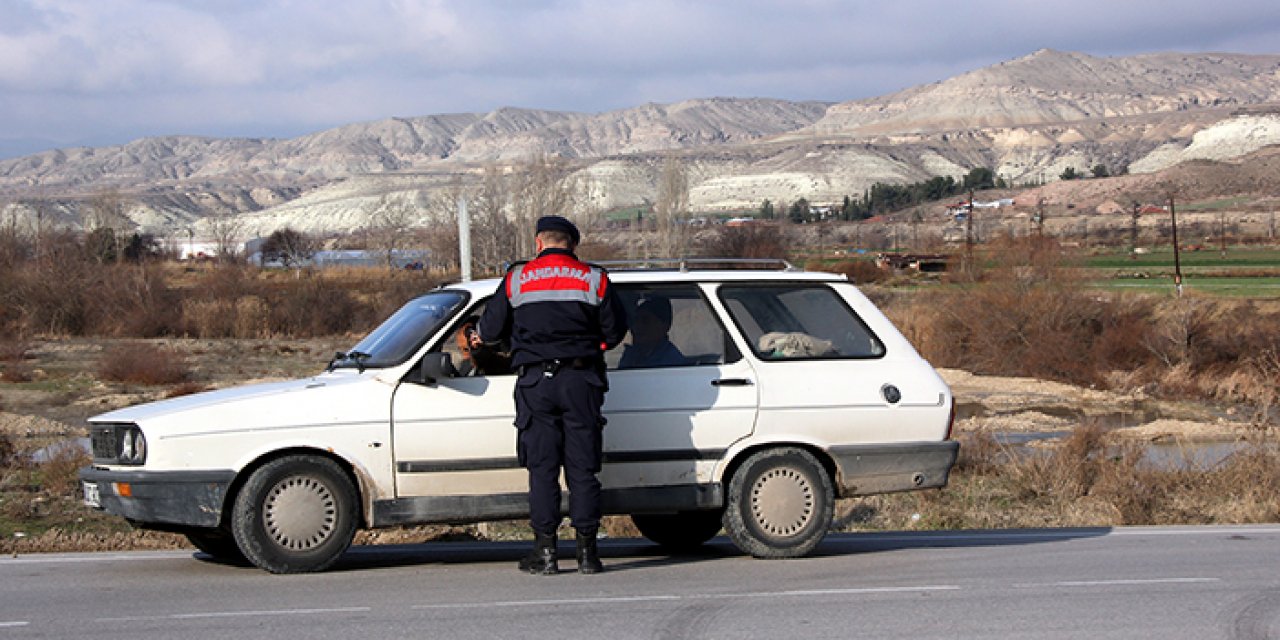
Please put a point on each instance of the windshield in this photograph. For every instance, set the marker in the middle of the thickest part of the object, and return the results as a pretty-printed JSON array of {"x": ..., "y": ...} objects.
[{"x": 404, "y": 332}]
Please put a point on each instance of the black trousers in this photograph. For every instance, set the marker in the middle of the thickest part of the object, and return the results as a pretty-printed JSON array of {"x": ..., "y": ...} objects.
[{"x": 560, "y": 426}]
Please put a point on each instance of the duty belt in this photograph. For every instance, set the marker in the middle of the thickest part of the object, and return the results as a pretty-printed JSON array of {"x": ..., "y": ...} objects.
[{"x": 550, "y": 368}]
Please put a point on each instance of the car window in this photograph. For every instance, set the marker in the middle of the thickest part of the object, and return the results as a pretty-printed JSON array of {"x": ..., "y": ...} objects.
[
  {"x": 799, "y": 322},
  {"x": 404, "y": 332},
  {"x": 488, "y": 360},
  {"x": 670, "y": 326}
]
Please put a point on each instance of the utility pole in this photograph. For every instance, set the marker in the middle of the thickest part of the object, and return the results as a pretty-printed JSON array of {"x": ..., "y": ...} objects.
[
  {"x": 464, "y": 240},
  {"x": 1222, "y": 233},
  {"x": 1039, "y": 219},
  {"x": 1177, "y": 264},
  {"x": 1133, "y": 230},
  {"x": 968, "y": 232}
]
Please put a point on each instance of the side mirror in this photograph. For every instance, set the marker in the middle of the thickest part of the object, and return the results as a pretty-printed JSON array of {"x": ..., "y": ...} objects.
[{"x": 436, "y": 366}]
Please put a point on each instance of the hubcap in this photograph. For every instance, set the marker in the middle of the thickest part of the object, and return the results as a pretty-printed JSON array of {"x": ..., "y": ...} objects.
[
  {"x": 300, "y": 513},
  {"x": 782, "y": 501}
]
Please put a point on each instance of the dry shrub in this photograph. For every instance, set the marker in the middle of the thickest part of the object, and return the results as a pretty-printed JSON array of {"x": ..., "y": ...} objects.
[
  {"x": 8, "y": 451},
  {"x": 311, "y": 308},
  {"x": 185, "y": 389},
  {"x": 858, "y": 271},
  {"x": 980, "y": 453},
  {"x": 142, "y": 363},
  {"x": 1246, "y": 485},
  {"x": 245, "y": 317},
  {"x": 52, "y": 294},
  {"x": 59, "y": 475},
  {"x": 748, "y": 241},
  {"x": 1067, "y": 472},
  {"x": 12, "y": 350},
  {"x": 1133, "y": 492},
  {"x": 16, "y": 372},
  {"x": 134, "y": 301}
]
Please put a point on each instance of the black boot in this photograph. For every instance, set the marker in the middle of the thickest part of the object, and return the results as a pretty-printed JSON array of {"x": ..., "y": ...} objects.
[
  {"x": 588, "y": 554},
  {"x": 541, "y": 561}
]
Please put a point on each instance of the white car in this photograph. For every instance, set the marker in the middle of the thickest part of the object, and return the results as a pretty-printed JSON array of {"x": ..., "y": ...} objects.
[{"x": 788, "y": 389}]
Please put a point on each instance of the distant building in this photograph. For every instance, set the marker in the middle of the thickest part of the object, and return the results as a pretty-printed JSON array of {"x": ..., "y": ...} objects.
[{"x": 400, "y": 258}]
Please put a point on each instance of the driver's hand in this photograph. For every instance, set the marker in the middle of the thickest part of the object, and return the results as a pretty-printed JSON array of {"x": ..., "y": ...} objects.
[{"x": 474, "y": 337}]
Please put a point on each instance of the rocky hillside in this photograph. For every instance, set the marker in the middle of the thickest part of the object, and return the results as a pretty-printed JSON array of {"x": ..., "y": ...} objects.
[
  {"x": 1053, "y": 87},
  {"x": 1028, "y": 119}
]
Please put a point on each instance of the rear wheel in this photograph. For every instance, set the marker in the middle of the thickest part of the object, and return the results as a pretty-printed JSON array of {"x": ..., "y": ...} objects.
[
  {"x": 295, "y": 515},
  {"x": 679, "y": 532},
  {"x": 780, "y": 503}
]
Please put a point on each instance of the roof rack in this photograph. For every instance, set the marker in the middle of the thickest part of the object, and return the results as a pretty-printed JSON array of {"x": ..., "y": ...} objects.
[{"x": 696, "y": 264}]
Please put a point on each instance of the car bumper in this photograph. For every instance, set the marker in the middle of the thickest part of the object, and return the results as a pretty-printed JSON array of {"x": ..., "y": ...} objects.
[
  {"x": 863, "y": 470},
  {"x": 181, "y": 498}
]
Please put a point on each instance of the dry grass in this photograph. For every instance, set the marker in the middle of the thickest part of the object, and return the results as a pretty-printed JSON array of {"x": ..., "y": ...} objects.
[
  {"x": 143, "y": 363},
  {"x": 185, "y": 389},
  {"x": 1088, "y": 479}
]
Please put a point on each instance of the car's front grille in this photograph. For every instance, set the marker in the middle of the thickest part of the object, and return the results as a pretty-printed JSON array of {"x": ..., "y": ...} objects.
[{"x": 106, "y": 443}]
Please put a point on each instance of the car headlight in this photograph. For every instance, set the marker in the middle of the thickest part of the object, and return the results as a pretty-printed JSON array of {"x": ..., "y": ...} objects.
[{"x": 118, "y": 444}]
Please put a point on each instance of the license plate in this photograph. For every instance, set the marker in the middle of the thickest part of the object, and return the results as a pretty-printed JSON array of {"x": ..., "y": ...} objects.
[{"x": 91, "y": 495}]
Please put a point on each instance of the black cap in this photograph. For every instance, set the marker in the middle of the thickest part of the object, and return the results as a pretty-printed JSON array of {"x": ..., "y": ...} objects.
[{"x": 557, "y": 223}]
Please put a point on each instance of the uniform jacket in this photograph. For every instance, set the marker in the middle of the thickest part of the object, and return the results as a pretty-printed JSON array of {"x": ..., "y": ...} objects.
[{"x": 554, "y": 307}]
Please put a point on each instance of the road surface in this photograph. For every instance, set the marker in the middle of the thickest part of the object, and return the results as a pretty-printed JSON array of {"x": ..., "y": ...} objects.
[{"x": 1157, "y": 582}]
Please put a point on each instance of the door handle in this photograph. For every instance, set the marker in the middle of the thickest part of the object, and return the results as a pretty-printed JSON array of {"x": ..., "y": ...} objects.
[{"x": 732, "y": 382}]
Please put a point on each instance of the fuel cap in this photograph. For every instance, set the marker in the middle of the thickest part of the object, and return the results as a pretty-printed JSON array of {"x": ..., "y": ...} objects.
[{"x": 891, "y": 394}]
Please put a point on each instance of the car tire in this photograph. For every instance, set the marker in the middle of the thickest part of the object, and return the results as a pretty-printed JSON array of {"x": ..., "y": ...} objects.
[
  {"x": 217, "y": 544},
  {"x": 779, "y": 504},
  {"x": 295, "y": 515},
  {"x": 679, "y": 532}
]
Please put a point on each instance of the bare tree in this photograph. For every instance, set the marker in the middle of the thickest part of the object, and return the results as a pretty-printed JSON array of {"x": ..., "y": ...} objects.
[
  {"x": 671, "y": 211},
  {"x": 442, "y": 228},
  {"x": 542, "y": 187},
  {"x": 391, "y": 222},
  {"x": 493, "y": 235},
  {"x": 108, "y": 224},
  {"x": 290, "y": 247},
  {"x": 226, "y": 230}
]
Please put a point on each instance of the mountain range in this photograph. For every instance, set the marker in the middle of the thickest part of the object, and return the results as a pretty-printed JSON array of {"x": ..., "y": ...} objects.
[{"x": 1027, "y": 119}]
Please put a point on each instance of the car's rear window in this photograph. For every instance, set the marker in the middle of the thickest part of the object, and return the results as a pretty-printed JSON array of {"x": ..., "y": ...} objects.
[{"x": 799, "y": 322}]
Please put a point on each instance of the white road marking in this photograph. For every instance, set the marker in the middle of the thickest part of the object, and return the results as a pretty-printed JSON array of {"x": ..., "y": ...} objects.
[
  {"x": 14, "y": 623},
  {"x": 1111, "y": 583},
  {"x": 135, "y": 556},
  {"x": 238, "y": 614},
  {"x": 695, "y": 596},
  {"x": 543, "y": 603},
  {"x": 834, "y": 592},
  {"x": 1061, "y": 534}
]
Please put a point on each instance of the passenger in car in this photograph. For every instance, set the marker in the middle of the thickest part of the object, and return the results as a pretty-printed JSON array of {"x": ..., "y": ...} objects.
[{"x": 650, "y": 344}]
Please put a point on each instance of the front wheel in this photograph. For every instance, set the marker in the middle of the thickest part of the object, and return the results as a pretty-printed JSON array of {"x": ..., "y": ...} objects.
[
  {"x": 295, "y": 515},
  {"x": 780, "y": 503}
]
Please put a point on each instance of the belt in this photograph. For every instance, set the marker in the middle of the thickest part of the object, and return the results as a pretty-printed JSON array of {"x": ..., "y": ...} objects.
[{"x": 550, "y": 368}]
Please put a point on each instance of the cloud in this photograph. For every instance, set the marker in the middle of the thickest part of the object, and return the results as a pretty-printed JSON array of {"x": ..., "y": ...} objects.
[{"x": 71, "y": 69}]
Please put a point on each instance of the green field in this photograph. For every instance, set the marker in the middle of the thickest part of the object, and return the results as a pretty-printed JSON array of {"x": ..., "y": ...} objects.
[{"x": 1242, "y": 271}]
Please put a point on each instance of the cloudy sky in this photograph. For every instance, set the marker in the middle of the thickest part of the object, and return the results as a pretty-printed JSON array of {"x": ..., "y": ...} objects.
[{"x": 96, "y": 72}]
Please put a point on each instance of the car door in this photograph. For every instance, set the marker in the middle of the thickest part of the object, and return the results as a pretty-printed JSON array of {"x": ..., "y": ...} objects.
[
  {"x": 673, "y": 411},
  {"x": 826, "y": 376},
  {"x": 454, "y": 438}
]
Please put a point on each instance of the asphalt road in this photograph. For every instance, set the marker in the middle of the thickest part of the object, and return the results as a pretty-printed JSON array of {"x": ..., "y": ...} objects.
[{"x": 1161, "y": 582}]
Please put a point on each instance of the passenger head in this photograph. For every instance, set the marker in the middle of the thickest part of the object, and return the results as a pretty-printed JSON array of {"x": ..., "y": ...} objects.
[{"x": 652, "y": 320}]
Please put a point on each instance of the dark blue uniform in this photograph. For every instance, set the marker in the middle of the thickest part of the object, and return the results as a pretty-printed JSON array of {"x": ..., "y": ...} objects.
[{"x": 560, "y": 314}]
